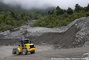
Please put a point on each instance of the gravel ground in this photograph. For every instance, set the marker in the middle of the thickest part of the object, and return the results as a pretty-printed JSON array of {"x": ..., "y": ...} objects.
[
  {"x": 43, "y": 53},
  {"x": 6, "y": 51}
]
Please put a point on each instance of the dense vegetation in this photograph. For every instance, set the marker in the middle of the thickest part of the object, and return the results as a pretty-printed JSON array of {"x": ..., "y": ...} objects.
[
  {"x": 60, "y": 17},
  {"x": 12, "y": 17}
]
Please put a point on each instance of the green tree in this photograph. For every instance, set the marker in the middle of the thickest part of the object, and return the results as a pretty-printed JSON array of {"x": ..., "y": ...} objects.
[
  {"x": 69, "y": 11},
  {"x": 78, "y": 8},
  {"x": 87, "y": 8},
  {"x": 57, "y": 8},
  {"x": 60, "y": 12},
  {"x": 50, "y": 12},
  {"x": 13, "y": 14}
]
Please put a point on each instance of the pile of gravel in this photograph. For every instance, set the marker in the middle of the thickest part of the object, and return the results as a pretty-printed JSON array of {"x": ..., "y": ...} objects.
[{"x": 73, "y": 35}]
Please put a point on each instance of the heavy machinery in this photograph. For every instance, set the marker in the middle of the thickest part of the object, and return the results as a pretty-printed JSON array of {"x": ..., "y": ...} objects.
[{"x": 24, "y": 47}]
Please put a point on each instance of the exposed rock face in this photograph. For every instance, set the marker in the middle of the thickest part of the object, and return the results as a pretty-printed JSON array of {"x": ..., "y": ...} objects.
[
  {"x": 82, "y": 35},
  {"x": 73, "y": 35}
]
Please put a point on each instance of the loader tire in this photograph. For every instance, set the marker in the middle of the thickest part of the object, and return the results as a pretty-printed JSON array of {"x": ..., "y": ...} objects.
[
  {"x": 32, "y": 52},
  {"x": 24, "y": 51},
  {"x": 13, "y": 52},
  {"x": 17, "y": 52}
]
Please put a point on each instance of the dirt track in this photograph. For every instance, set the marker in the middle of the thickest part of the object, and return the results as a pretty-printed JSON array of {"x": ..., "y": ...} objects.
[{"x": 43, "y": 53}]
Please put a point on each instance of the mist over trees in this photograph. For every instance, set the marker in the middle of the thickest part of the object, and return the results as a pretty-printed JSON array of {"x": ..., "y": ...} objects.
[{"x": 13, "y": 17}]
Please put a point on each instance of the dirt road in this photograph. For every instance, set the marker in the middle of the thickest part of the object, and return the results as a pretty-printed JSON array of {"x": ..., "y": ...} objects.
[{"x": 43, "y": 53}]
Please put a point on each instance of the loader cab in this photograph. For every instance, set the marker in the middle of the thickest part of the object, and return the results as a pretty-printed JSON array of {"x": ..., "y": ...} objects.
[{"x": 23, "y": 42}]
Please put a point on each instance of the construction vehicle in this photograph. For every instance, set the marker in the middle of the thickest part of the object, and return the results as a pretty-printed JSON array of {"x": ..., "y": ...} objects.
[{"x": 24, "y": 47}]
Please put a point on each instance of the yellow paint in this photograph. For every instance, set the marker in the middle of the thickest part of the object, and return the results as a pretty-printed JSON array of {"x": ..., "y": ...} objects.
[
  {"x": 27, "y": 46},
  {"x": 20, "y": 48}
]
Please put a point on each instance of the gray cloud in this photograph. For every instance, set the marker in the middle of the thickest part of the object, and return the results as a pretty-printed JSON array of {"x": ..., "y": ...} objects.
[{"x": 28, "y": 4}]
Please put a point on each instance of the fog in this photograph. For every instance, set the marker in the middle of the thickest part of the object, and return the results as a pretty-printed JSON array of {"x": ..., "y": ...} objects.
[{"x": 29, "y": 4}]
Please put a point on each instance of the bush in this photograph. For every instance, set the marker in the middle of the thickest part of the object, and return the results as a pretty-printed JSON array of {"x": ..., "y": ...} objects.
[{"x": 87, "y": 14}]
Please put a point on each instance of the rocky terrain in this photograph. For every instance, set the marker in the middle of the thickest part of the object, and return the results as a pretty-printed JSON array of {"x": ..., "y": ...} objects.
[
  {"x": 73, "y": 35},
  {"x": 47, "y": 39},
  {"x": 46, "y": 52}
]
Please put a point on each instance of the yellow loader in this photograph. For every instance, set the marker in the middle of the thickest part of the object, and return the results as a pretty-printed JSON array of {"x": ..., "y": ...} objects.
[{"x": 24, "y": 47}]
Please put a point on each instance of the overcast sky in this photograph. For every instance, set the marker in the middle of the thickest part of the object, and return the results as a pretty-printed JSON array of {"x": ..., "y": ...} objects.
[{"x": 28, "y": 4}]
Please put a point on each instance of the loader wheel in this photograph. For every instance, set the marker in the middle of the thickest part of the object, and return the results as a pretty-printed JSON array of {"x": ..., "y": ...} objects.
[
  {"x": 32, "y": 52},
  {"x": 17, "y": 52},
  {"x": 24, "y": 52},
  {"x": 13, "y": 52}
]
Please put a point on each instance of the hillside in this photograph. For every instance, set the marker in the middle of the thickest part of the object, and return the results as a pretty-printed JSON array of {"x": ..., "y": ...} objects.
[
  {"x": 58, "y": 27},
  {"x": 73, "y": 35}
]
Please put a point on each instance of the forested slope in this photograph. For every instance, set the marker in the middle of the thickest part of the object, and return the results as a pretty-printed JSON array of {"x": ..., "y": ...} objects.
[
  {"x": 14, "y": 16},
  {"x": 62, "y": 17}
]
